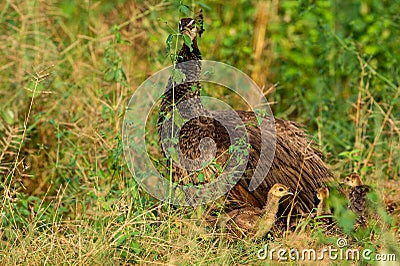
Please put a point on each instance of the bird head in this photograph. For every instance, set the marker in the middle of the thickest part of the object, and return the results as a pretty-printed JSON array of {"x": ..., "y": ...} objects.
[
  {"x": 322, "y": 193},
  {"x": 279, "y": 190},
  {"x": 352, "y": 180},
  {"x": 192, "y": 27}
]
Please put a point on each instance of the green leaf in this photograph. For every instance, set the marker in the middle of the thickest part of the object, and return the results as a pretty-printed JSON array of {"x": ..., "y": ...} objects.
[
  {"x": 259, "y": 119},
  {"x": 8, "y": 116},
  {"x": 200, "y": 177},
  {"x": 371, "y": 49},
  {"x": 188, "y": 41},
  {"x": 218, "y": 167},
  {"x": 117, "y": 35},
  {"x": 205, "y": 6},
  {"x": 121, "y": 240},
  {"x": 168, "y": 43},
  {"x": 135, "y": 247},
  {"x": 185, "y": 10},
  {"x": 174, "y": 140},
  {"x": 178, "y": 76},
  {"x": 109, "y": 75},
  {"x": 68, "y": 8}
]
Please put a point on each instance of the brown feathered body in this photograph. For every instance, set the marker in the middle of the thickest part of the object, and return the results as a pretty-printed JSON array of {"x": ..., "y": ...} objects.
[
  {"x": 296, "y": 162},
  {"x": 238, "y": 223}
]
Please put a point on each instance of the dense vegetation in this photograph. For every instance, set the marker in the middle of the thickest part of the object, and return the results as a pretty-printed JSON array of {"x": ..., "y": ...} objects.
[{"x": 68, "y": 69}]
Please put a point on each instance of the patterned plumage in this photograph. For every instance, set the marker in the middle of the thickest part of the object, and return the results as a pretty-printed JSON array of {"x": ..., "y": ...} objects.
[
  {"x": 297, "y": 161},
  {"x": 391, "y": 206},
  {"x": 357, "y": 197},
  {"x": 252, "y": 221}
]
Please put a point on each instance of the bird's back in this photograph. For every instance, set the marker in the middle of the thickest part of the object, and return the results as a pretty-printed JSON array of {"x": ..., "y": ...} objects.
[{"x": 358, "y": 198}]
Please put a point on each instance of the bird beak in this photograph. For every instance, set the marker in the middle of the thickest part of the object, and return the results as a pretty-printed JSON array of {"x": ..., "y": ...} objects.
[{"x": 289, "y": 193}]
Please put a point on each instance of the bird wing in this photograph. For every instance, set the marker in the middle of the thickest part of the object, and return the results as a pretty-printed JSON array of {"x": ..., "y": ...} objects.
[
  {"x": 246, "y": 221},
  {"x": 296, "y": 163}
]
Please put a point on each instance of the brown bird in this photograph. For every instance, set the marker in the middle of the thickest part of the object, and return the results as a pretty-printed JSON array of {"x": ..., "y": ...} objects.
[
  {"x": 252, "y": 221},
  {"x": 357, "y": 197},
  {"x": 296, "y": 160}
]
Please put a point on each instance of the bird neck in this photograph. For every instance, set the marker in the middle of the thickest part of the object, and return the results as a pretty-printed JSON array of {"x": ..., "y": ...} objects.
[
  {"x": 272, "y": 206},
  {"x": 358, "y": 182},
  {"x": 267, "y": 220},
  {"x": 183, "y": 86},
  {"x": 322, "y": 208},
  {"x": 189, "y": 53}
]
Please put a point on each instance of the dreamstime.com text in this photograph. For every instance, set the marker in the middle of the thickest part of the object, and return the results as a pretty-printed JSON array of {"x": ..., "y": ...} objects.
[{"x": 333, "y": 253}]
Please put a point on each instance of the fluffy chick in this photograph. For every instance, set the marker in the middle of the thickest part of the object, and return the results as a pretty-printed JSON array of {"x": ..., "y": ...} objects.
[{"x": 252, "y": 221}]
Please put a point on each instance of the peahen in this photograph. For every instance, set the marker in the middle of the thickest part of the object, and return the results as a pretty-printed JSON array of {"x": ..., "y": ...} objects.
[{"x": 297, "y": 161}]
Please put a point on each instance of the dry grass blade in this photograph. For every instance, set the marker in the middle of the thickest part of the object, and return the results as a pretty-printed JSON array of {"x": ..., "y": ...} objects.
[{"x": 9, "y": 142}]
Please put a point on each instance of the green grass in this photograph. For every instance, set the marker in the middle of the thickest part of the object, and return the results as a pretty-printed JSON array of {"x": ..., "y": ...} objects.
[{"x": 68, "y": 69}]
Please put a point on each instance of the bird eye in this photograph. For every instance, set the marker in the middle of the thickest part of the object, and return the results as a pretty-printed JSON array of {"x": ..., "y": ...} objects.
[{"x": 281, "y": 189}]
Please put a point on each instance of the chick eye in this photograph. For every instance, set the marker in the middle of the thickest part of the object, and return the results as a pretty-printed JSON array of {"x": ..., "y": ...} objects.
[{"x": 281, "y": 189}]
